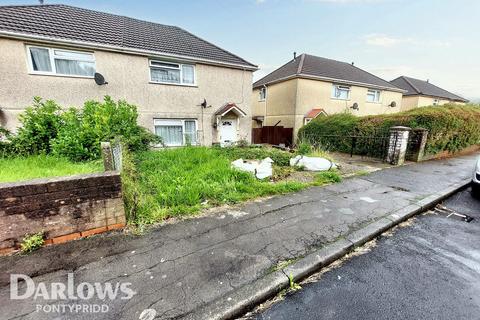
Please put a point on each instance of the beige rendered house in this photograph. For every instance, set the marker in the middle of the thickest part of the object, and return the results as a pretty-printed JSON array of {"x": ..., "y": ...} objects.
[
  {"x": 186, "y": 89},
  {"x": 421, "y": 93},
  {"x": 309, "y": 86}
]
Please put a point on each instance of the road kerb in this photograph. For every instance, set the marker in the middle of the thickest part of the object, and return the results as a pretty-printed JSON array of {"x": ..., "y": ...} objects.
[{"x": 240, "y": 301}]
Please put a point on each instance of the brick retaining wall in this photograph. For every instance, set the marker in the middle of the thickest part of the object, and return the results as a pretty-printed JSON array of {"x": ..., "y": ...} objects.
[{"x": 63, "y": 208}]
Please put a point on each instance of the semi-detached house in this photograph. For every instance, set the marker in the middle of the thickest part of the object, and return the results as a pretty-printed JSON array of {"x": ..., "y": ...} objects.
[
  {"x": 309, "y": 86},
  {"x": 186, "y": 89}
]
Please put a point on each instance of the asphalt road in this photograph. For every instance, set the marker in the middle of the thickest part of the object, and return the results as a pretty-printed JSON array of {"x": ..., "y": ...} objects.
[{"x": 428, "y": 270}]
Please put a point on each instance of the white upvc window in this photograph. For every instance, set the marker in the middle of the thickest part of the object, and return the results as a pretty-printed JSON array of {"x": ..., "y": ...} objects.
[
  {"x": 262, "y": 94},
  {"x": 172, "y": 73},
  {"x": 176, "y": 132},
  {"x": 340, "y": 92},
  {"x": 373, "y": 95},
  {"x": 62, "y": 62}
]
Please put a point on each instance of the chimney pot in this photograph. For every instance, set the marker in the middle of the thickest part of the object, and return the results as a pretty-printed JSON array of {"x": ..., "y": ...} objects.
[{"x": 294, "y": 55}]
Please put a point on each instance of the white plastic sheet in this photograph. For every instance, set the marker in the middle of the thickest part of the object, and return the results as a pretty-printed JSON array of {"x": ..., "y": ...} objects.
[
  {"x": 260, "y": 169},
  {"x": 312, "y": 163}
]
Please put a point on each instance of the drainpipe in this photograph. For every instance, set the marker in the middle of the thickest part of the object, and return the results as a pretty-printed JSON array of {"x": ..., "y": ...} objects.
[{"x": 265, "y": 115}]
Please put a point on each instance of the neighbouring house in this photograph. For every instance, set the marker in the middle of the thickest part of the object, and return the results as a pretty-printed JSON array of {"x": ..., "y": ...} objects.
[
  {"x": 421, "y": 93},
  {"x": 187, "y": 89},
  {"x": 309, "y": 86}
]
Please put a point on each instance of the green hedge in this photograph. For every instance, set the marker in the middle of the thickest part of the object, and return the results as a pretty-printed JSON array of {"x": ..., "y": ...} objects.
[{"x": 450, "y": 127}]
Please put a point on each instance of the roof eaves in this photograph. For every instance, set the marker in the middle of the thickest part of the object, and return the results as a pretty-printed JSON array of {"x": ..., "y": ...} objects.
[
  {"x": 361, "y": 84},
  {"x": 306, "y": 76},
  {"x": 94, "y": 45}
]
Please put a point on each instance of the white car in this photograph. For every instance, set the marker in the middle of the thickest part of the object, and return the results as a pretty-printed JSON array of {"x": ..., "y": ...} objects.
[{"x": 476, "y": 178}]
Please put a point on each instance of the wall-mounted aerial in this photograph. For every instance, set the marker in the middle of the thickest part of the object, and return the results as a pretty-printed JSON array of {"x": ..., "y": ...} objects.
[
  {"x": 204, "y": 104},
  {"x": 99, "y": 79}
]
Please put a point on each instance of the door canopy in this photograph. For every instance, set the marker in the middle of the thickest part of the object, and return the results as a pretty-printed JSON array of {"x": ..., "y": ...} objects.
[{"x": 230, "y": 107}]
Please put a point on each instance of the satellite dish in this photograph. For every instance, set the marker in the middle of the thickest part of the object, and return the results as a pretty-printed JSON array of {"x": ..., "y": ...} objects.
[
  {"x": 393, "y": 104},
  {"x": 355, "y": 106},
  {"x": 99, "y": 79}
]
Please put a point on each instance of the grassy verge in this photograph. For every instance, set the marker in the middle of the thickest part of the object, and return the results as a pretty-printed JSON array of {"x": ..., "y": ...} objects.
[
  {"x": 172, "y": 182},
  {"x": 42, "y": 166}
]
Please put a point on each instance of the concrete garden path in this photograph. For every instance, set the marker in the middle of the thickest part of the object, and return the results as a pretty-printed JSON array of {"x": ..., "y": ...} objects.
[{"x": 178, "y": 268}]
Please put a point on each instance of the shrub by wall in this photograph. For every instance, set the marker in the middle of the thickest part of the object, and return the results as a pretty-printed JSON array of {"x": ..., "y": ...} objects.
[
  {"x": 450, "y": 127},
  {"x": 76, "y": 133}
]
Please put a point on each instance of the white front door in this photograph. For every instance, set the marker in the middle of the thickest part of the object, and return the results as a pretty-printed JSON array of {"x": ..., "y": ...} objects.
[{"x": 228, "y": 132}]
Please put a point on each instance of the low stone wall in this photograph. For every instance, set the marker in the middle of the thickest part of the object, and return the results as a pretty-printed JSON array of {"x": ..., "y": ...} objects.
[{"x": 63, "y": 208}]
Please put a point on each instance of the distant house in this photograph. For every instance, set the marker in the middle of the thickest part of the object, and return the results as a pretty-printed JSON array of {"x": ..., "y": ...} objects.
[
  {"x": 421, "y": 93},
  {"x": 295, "y": 93},
  {"x": 186, "y": 89}
]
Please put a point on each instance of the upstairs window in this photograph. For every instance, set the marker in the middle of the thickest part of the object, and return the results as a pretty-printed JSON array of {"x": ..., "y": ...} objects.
[
  {"x": 262, "y": 94},
  {"x": 53, "y": 61},
  {"x": 373, "y": 95},
  {"x": 340, "y": 92},
  {"x": 174, "y": 73}
]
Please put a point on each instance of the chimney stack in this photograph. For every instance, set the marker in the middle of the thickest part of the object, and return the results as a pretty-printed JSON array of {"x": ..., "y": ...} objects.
[
  {"x": 353, "y": 63},
  {"x": 428, "y": 80},
  {"x": 294, "y": 55}
]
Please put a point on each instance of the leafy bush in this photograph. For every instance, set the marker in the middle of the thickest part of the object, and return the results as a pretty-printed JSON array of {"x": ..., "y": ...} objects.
[
  {"x": 40, "y": 125},
  {"x": 76, "y": 134},
  {"x": 32, "y": 242},
  {"x": 450, "y": 127}
]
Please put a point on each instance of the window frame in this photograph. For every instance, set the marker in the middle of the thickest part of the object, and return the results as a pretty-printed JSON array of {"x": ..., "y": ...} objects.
[
  {"x": 182, "y": 120},
  {"x": 52, "y": 56},
  {"x": 344, "y": 87},
  {"x": 263, "y": 89},
  {"x": 377, "y": 94},
  {"x": 180, "y": 68}
]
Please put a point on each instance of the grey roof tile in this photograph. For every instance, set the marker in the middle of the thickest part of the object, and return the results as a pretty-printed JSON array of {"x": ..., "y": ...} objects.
[
  {"x": 323, "y": 68},
  {"x": 72, "y": 23},
  {"x": 420, "y": 87}
]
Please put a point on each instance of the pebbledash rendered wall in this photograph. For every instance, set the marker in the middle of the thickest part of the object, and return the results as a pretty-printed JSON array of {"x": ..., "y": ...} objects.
[{"x": 64, "y": 208}]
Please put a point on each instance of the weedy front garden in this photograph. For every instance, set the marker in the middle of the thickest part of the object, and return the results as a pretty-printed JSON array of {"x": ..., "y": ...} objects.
[
  {"x": 182, "y": 181},
  {"x": 157, "y": 184}
]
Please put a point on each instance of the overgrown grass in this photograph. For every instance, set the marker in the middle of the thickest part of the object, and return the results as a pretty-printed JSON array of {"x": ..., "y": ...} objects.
[
  {"x": 173, "y": 182},
  {"x": 42, "y": 166},
  {"x": 280, "y": 157}
]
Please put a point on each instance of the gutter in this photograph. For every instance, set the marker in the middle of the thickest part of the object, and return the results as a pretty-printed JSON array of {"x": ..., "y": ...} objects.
[
  {"x": 105, "y": 47},
  {"x": 340, "y": 81}
]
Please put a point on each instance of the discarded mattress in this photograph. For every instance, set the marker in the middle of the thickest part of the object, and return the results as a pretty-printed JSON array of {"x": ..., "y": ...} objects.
[
  {"x": 260, "y": 169},
  {"x": 312, "y": 163}
]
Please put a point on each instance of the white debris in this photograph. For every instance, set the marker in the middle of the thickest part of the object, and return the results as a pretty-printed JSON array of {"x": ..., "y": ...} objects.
[
  {"x": 312, "y": 163},
  {"x": 261, "y": 169},
  {"x": 368, "y": 199}
]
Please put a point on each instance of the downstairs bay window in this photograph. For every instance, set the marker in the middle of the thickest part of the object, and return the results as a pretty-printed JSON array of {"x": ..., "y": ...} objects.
[{"x": 176, "y": 132}]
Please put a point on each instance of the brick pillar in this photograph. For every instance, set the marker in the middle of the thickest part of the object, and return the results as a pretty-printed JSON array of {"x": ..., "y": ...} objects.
[
  {"x": 419, "y": 152},
  {"x": 397, "y": 147}
]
